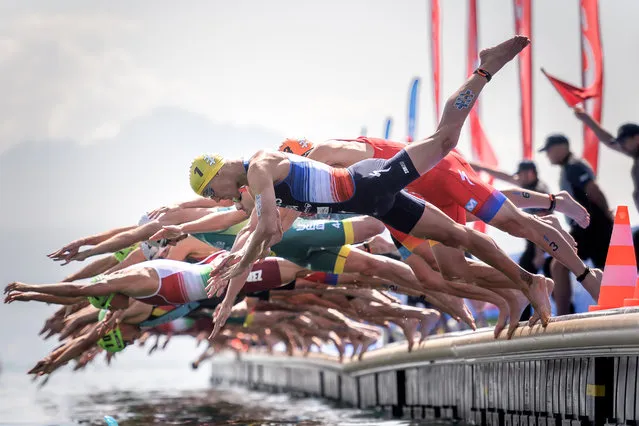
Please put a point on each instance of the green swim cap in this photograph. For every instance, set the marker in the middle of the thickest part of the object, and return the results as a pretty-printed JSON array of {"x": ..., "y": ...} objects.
[
  {"x": 120, "y": 255},
  {"x": 112, "y": 341},
  {"x": 100, "y": 302}
]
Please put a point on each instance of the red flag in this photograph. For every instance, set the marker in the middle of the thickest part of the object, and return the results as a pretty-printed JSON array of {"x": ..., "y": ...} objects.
[
  {"x": 435, "y": 36},
  {"x": 523, "y": 26},
  {"x": 482, "y": 150},
  {"x": 572, "y": 95},
  {"x": 591, "y": 74}
]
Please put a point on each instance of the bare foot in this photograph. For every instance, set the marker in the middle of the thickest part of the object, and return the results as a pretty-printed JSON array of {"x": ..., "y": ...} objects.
[
  {"x": 409, "y": 327},
  {"x": 357, "y": 345},
  {"x": 517, "y": 303},
  {"x": 468, "y": 318},
  {"x": 571, "y": 208},
  {"x": 501, "y": 321},
  {"x": 504, "y": 314},
  {"x": 458, "y": 309},
  {"x": 366, "y": 343},
  {"x": 554, "y": 222},
  {"x": 430, "y": 320},
  {"x": 534, "y": 319},
  {"x": 493, "y": 59},
  {"x": 340, "y": 350},
  {"x": 592, "y": 283},
  {"x": 538, "y": 296}
]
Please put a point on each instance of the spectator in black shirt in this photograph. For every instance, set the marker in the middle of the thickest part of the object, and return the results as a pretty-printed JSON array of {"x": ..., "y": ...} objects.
[
  {"x": 578, "y": 179},
  {"x": 626, "y": 142}
]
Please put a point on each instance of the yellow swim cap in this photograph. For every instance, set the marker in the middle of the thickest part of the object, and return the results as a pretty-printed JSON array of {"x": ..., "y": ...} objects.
[{"x": 203, "y": 169}]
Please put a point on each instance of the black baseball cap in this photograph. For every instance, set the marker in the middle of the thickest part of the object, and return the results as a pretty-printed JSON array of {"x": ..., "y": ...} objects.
[
  {"x": 627, "y": 130},
  {"x": 526, "y": 165},
  {"x": 552, "y": 140}
]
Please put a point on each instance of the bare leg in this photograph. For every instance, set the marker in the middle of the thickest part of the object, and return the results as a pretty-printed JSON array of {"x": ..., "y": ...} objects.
[
  {"x": 454, "y": 266},
  {"x": 523, "y": 199},
  {"x": 547, "y": 237},
  {"x": 383, "y": 267},
  {"x": 437, "y": 226},
  {"x": 364, "y": 227},
  {"x": 563, "y": 289},
  {"x": 489, "y": 277},
  {"x": 425, "y": 154},
  {"x": 288, "y": 270}
]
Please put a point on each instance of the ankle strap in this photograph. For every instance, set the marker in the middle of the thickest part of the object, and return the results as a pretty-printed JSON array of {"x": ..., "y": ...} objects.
[
  {"x": 583, "y": 276},
  {"x": 483, "y": 73}
]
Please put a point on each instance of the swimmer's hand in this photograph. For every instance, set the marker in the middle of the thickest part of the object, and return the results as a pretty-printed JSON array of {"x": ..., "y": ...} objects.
[
  {"x": 76, "y": 255},
  {"x": 222, "y": 313},
  {"x": 229, "y": 267},
  {"x": 111, "y": 320},
  {"x": 70, "y": 249},
  {"x": 79, "y": 257},
  {"x": 167, "y": 232},
  {"x": 216, "y": 287},
  {"x": 14, "y": 286},
  {"x": 18, "y": 296},
  {"x": 154, "y": 214}
]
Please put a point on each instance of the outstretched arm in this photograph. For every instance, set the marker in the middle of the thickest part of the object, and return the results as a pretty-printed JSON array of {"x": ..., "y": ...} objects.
[
  {"x": 497, "y": 174},
  {"x": 92, "y": 269},
  {"x": 61, "y": 289},
  {"x": 79, "y": 320},
  {"x": 136, "y": 256},
  {"x": 41, "y": 297},
  {"x": 213, "y": 222},
  {"x": 105, "y": 286},
  {"x": 122, "y": 240},
  {"x": 75, "y": 349},
  {"x": 71, "y": 249},
  {"x": 602, "y": 134},
  {"x": 195, "y": 203}
]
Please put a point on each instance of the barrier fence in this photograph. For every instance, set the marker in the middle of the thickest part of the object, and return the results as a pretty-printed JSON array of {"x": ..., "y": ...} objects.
[{"x": 580, "y": 370}]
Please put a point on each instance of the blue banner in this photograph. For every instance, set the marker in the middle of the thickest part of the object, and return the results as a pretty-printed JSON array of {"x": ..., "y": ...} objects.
[
  {"x": 363, "y": 132},
  {"x": 387, "y": 127},
  {"x": 412, "y": 109}
]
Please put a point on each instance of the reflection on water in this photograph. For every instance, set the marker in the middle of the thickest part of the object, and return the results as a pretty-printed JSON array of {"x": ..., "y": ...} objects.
[
  {"x": 159, "y": 390},
  {"x": 139, "y": 399},
  {"x": 227, "y": 406}
]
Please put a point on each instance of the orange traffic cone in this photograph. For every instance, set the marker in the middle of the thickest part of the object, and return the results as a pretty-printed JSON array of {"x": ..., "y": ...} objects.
[
  {"x": 620, "y": 273},
  {"x": 635, "y": 300}
]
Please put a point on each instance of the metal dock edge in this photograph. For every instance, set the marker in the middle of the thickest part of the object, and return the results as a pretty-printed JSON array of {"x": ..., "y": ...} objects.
[{"x": 580, "y": 370}]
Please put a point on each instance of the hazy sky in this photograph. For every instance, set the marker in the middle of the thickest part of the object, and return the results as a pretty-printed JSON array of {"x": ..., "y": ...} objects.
[{"x": 105, "y": 103}]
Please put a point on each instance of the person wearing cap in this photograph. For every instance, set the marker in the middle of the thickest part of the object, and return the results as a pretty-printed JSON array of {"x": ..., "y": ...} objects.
[
  {"x": 578, "y": 178},
  {"x": 626, "y": 142}
]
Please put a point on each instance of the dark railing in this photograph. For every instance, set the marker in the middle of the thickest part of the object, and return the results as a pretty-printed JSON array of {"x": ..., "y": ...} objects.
[{"x": 580, "y": 370}]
